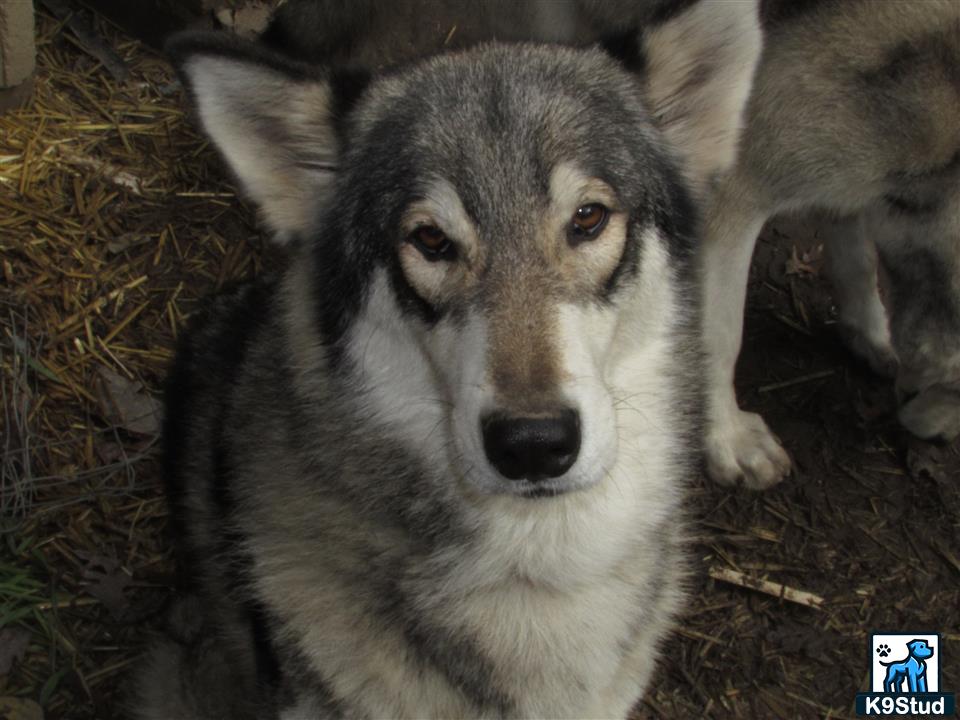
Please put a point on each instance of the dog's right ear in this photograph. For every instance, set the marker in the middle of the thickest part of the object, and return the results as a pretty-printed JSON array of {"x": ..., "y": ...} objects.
[{"x": 274, "y": 121}]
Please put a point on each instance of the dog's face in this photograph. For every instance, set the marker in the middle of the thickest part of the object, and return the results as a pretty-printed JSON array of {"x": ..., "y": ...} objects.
[
  {"x": 520, "y": 215},
  {"x": 503, "y": 248},
  {"x": 920, "y": 649}
]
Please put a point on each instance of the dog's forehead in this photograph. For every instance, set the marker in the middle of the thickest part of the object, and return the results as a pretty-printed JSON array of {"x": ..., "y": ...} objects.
[
  {"x": 497, "y": 85},
  {"x": 495, "y": 121}
]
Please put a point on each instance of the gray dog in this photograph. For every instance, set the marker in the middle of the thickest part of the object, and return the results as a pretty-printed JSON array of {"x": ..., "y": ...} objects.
[
  {"x": 855, "y": 109},
  {"x": 435, "y": 466}
]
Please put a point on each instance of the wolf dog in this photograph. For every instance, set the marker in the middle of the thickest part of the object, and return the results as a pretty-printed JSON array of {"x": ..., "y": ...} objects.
[
  {"x": 854, "y": 110},
  {"x": 435, "y": 465}
]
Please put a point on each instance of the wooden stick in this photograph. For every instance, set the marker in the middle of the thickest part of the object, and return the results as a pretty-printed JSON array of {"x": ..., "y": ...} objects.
[
  {"x": 735, "y": 577},
  {"x": 795, "y": 381}
]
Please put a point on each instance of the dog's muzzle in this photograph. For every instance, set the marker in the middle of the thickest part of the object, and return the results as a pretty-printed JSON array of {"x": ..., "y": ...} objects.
[{"x": 532, "y": 448}]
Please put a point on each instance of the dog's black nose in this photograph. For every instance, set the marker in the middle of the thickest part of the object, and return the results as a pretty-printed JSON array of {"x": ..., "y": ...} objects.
[{"x": 533, "y": 448}]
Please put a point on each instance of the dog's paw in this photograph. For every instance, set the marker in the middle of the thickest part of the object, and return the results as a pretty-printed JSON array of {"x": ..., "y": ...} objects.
[
  {"x": 877, "y": 353},
  {"x": 883, "y": 650},
  {"x": 742, "y": 450},
  {"x": 932, "y": 414}
]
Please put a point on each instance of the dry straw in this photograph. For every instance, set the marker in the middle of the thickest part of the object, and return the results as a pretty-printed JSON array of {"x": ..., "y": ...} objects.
[{"x": 115, "y": 217}]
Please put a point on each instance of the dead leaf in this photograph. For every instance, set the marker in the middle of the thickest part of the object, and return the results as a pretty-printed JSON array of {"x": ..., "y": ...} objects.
[
  {"x": 109, "y": 171},
  {"x": 125, "y": 242},
  {"x": 12, "y": 708},
  {"x": 106, "y": 580},
  {"x": 126, "y": 404},
  {"x": 109, "y": 452},
  {"x": 938, "y": 463},
  {"x": 925, "y": 460},
  {"x": 248, "y": 19},
  {"x": 13, "y": 644},
  {"x": 806, "y": 263},
  {"x": 92, "y": 42}
]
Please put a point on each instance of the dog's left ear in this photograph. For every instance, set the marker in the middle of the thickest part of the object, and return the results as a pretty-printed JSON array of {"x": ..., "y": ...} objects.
[
  {"x": 698, "y": 67},
  {"x": 273, "y": 120}
]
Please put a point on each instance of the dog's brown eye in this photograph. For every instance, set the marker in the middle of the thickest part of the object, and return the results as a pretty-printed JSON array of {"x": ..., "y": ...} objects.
[
  {"x": 588, "y": 220},
  {"x": 432, "y": 243}
]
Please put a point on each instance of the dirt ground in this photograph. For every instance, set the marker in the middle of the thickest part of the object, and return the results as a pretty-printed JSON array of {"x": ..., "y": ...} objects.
[{"x": 868, "y": 522}]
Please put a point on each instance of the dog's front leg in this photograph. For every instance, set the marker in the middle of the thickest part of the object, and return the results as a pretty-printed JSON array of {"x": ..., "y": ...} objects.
[
  {"x": 739, "y": 446},
  {"x": 913, "y": 681},
  {"x": 852, "y": 262}
]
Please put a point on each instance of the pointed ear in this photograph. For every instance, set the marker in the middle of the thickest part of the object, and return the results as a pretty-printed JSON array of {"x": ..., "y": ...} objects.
[
  {"x": 271, "y": 119},
  {"x": 699, "y": 66}
]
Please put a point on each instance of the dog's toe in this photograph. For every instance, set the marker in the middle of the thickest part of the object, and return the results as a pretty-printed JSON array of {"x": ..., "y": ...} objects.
[
  {"x": 876, "y": 352},
  {"x": 742, "y": 450},
  {"x": 933, "y": 414}
]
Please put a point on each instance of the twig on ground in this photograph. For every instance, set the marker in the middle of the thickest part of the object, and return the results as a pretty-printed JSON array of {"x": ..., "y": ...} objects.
[
  {"x": 735, "y": 577},
  {"x": 796, "y": 381}
]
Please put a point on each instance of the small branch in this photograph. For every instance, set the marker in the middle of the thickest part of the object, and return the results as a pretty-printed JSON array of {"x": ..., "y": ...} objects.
[
  {"x": 796, "y": 381},
  {"x": 735, "y": 577}
]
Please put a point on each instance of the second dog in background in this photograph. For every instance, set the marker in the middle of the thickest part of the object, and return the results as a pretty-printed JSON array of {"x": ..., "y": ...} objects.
[{"x": 855, "y": 110}]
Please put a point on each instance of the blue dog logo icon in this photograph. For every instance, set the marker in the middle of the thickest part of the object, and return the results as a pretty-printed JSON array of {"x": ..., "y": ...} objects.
[
  {"x": 905, "y": 677},
  {"x": 912, "y": 670}
]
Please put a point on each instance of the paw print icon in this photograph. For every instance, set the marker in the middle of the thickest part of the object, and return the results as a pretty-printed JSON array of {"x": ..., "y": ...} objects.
[{"x": 883, "y": 650}]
